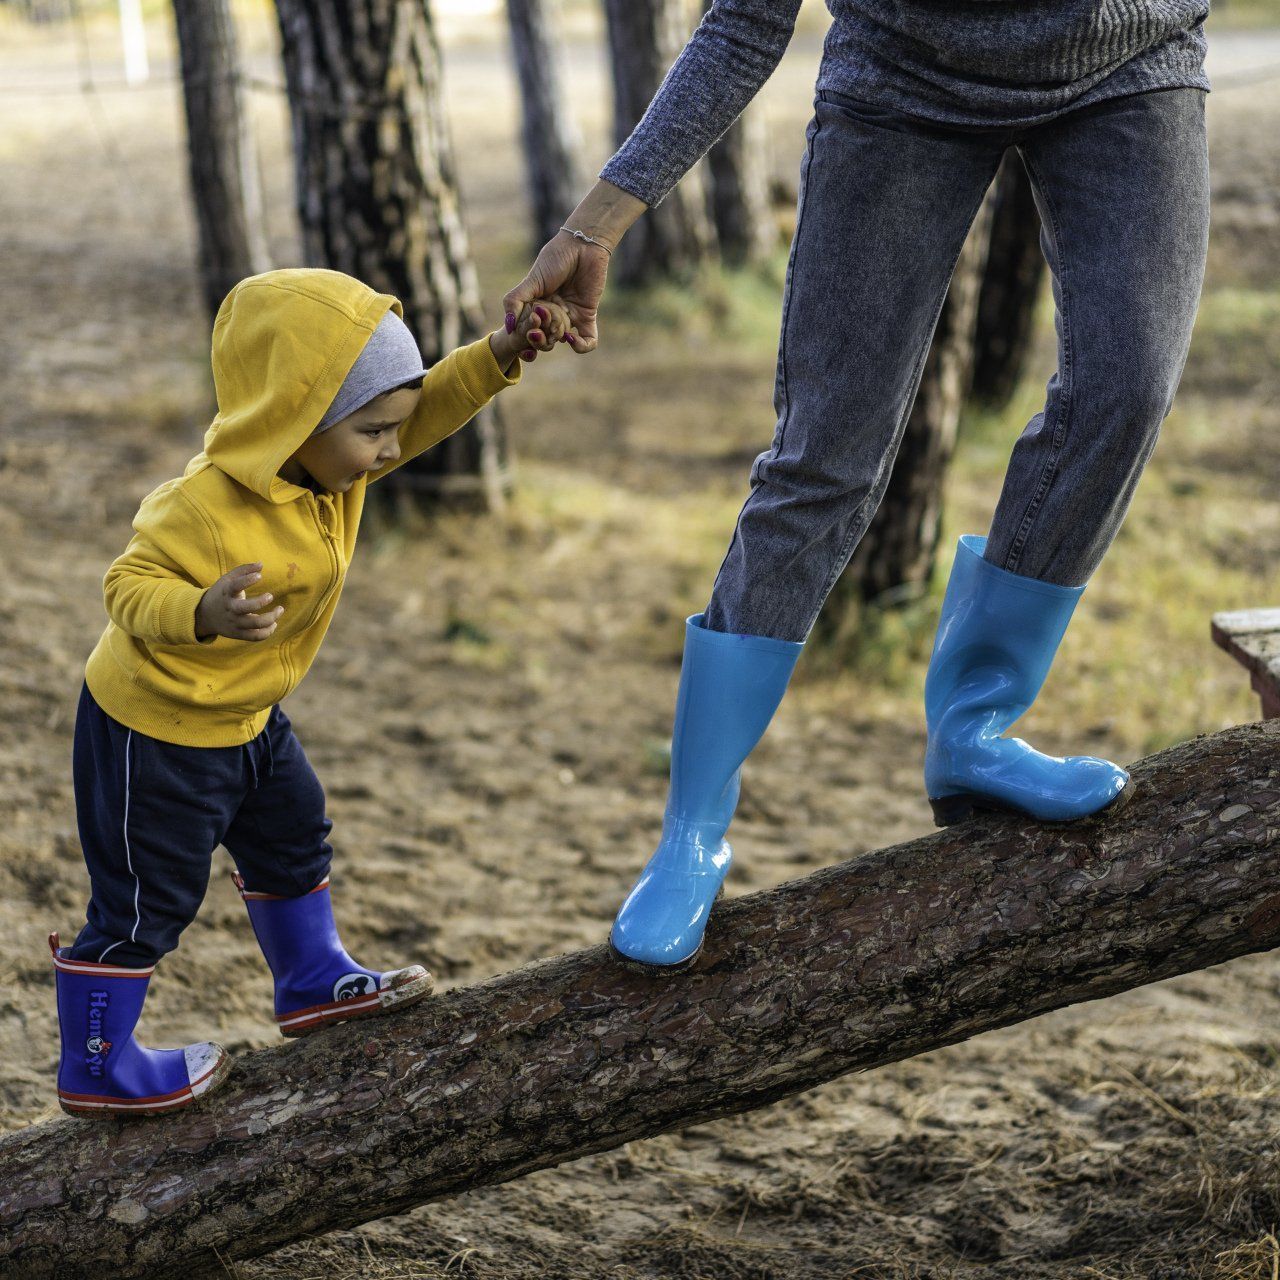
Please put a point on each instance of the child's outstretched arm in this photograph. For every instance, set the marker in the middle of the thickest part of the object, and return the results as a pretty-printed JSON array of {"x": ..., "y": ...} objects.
[{"x": 456, "y": 388}]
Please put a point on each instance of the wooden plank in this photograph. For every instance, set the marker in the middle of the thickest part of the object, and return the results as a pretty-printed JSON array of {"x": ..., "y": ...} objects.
[
  {"x": 1247, "y": 621},
  {"x": 1252, "y": 637}
]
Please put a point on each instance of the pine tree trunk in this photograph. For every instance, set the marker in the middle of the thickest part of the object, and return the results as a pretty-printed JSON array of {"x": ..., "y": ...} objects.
[
  {"x": 1010, "y": 287},
  {"x": 889, "y": 955},
  {"x": 645, "y": 38},
  {"x": 378, "y": 198},
  {"x": 225, "y": 185},
  {"x": 895, "y": 558},
  {"x": 738, "y": 170},
  {"x": 550, "y": 141}
]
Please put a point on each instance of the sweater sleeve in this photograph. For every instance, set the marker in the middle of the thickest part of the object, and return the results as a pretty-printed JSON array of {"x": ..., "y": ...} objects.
[
  {"x": 732, "y": 53},
  {"x": 454, "y": 390},
  {"x": 152, "y": 590}
]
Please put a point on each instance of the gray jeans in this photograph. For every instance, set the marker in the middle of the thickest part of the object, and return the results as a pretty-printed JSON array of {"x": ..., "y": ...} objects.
[{"x": 886, "y": 201}]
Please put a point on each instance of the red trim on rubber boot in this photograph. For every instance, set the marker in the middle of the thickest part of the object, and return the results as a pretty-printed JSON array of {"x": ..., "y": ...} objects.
[
  {"x": 406, "y": 988},
  {"x": 91, "y": 1104},
  {"x": 247, "y": 894},
  {"x": 92, "y": 967},
  {"x": 300, "y": 1021}
]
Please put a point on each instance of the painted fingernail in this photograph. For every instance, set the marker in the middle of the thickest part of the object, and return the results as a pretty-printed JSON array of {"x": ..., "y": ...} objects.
[
  {"x": 535, "y": 335},
  {"x": 541, "y": 314},
  {"x": 528, "y": 354},
  {"x": 511, "y": 323}
]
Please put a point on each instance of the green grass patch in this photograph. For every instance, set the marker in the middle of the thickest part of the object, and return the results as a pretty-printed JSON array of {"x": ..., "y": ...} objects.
[
  {"x": 1236, "y": 340},
  {"x": 741, "y": 306}
]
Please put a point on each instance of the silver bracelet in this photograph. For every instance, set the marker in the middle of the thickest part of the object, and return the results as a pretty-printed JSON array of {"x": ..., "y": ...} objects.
[{"x": 582, "y": 235}]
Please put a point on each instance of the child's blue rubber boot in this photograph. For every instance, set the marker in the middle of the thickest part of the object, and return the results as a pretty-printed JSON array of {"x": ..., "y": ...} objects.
[
  {"x": 103, "y": 1070},
  {"x": 316, "y": 981},
  {"x": 996, "y": 641},
  {"x": 730, "y": 686}
]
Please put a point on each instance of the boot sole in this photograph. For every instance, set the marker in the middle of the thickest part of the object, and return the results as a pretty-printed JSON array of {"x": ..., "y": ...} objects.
[
  {"x": 949, "y": 811},
  {"x": 118, "y": 1109},
  {"x": 654, "y": 970},
  {"x": 661, "y": 970},
  {"x": 392, "y": 1000}
]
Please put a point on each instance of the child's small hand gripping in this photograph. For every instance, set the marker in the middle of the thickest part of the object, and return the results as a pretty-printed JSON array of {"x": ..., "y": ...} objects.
[
  {"x": 546, "y": 323},
  {"x": 224, "y": 611},
  {"x": 539, "y": 327}
]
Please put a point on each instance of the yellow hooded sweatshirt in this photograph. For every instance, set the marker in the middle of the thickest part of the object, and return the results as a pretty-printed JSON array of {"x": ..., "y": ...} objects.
[{"x": 283, "y": 343}]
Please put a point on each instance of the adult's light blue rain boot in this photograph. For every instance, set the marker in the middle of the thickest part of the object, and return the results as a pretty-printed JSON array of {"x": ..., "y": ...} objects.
[
  {"x": 730, "y": 686},
  {"x": 996, "y": 641},
  {"x": 316, "y": 981},
  {"x": 103, "y": 1070}
]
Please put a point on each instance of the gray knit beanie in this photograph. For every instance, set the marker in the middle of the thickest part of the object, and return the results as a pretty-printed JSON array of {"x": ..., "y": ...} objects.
[{"x": 390, "y": 359}]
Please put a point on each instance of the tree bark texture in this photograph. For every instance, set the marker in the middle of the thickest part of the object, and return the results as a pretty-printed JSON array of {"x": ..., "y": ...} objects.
[
  {"x": 645, "y": 38},
  {"x": 896, "y": 556},
  {"x": 549, "y": 139},
  {"x": 378, "y": 196},
  {"x": 1010, "y": 287},
  {"x": 738, "y": 170},
  {"x": 225, "y": 185},
  {"x": 886, "y": 956}
]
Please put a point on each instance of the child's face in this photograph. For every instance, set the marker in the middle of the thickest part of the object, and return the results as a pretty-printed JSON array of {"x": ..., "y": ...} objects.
[{"x": 365, "y": 441}]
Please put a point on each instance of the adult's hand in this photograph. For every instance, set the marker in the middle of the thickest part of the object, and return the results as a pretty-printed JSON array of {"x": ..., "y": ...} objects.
[{"x": 572, "y": 271}]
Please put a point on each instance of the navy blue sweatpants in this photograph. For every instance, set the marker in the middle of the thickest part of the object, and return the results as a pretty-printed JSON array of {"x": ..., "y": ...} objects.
[{"x": 151, "y": 813}]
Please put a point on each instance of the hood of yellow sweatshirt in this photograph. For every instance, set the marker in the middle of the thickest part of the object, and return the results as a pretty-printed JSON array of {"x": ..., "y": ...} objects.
[{"x": 283, "y": 342}]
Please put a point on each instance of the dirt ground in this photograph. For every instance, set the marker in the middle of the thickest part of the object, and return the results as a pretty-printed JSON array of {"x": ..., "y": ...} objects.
[{"x": 490, "y": 712}]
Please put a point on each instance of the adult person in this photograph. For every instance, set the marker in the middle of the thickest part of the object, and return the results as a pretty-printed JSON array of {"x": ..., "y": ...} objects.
[{"x": 917, "y": 101}]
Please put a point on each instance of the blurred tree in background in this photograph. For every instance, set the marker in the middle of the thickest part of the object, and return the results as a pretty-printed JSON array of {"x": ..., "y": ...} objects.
[
  {"x": 1010, "y": 287},
  {"x": 738, "y": 168},
  {"x": 226, "y": 189},
  {"x": 645, "y": 37},
  {"x": 550, "y": 141},
  {"x": 378, "y": 198}
]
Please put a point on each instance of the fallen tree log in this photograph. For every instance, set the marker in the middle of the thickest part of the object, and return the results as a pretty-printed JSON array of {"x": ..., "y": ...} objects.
[{"x": 860, "y": 964}]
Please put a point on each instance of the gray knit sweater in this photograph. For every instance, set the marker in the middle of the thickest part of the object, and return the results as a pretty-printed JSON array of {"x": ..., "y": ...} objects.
[{"x": 974, "y": 62}]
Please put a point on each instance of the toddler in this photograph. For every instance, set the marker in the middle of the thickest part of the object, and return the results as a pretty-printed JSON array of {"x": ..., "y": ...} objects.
[{"x": 180, "y": 742}]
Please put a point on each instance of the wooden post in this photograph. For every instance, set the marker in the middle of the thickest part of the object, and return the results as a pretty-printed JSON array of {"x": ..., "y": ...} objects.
[
  {"x": 133, "y": 33},
  {"x": 225, "y": 187}
]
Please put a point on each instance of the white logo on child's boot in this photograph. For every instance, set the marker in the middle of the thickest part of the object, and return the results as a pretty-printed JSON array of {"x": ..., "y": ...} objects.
[
  {"x": 97, "y": 1047},
  {"x": 352, "y": 986}
]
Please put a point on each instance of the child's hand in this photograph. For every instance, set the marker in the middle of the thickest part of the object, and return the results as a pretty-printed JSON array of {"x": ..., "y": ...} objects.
[
  {"x": 224, "y": 611},
  {"x": 548, "y": 322},
  {"x": 539, "y": 327}
]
